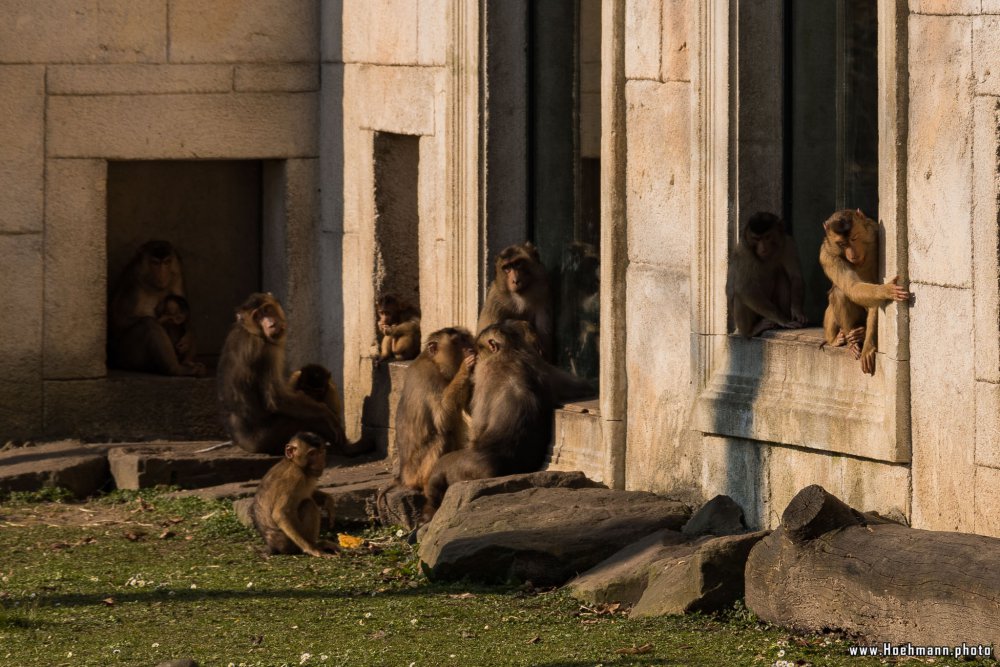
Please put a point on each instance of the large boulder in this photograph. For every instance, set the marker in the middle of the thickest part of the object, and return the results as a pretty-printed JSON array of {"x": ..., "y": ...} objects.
[
  {"x": 672, "y": 572},
  {"x": 542, "y": 527}
]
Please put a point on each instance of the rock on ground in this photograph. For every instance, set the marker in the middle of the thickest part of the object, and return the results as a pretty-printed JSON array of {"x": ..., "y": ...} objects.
[{"x": 541, "y": 527}]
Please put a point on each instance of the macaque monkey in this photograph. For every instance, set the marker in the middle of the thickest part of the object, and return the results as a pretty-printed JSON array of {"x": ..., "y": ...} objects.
[
  {"x": 399, "y": 325},
  {"x": 174, "y": 314},
  {"x": 314, "y": 381},
  {"x": 849, "y": 257},
  {"x": 286, "y": 507},
  {"x": 512, "y": 413},
  {"x": 430, "y": 419},
  {"x": 262, "y": 413},
  {"x": 765, "y": 287},
  {"x": 136, "y": 339},
  {"x": 563, "y": 385},
  {"x": 520, "y": 291}
]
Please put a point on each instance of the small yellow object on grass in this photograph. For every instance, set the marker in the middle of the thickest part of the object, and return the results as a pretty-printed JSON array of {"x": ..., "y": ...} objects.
[{"x": 349, "y": 541}]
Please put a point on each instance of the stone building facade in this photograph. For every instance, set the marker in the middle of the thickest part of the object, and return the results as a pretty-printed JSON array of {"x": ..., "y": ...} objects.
[{"x": 396, "y": 145}]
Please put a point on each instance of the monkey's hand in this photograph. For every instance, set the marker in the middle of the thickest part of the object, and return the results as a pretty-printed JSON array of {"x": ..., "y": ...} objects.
[
  {"x": 868, "y": 360},
  {"x": 854, "y": 339},
  {"x": 469, "y": 362},
  {"x": 386, "y": 329},
  {"x": 317, "y": 552},
  {"x": 895, "y": 292}
]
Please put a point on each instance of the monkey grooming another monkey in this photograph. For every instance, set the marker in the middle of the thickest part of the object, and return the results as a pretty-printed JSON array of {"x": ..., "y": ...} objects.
[
  {"x": 512, "y": 413},
  {"x": 314, "y": 381},
  {"x": 398, "y": 324},
  {"x": 136, "y": 339},
  {"x": 262, "y": 413},
  {"x": 430, "y": 418},
  {"x": 520, "y": 291},
  {"x": 849, "y": 257},
  {"x": 286, "y": 507},
  {"x": 765, "y": 288}
]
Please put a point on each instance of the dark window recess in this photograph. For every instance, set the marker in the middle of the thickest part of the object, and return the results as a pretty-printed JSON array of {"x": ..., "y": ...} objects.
[{"x": 831, "y": 116}]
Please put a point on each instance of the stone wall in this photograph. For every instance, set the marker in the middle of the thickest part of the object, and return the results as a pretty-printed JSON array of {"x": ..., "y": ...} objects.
[{"x": 88, "y": 82}]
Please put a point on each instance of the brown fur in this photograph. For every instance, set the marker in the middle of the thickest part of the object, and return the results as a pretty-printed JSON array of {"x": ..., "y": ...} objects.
[
  {"x": 520, "y": 291},
  {"x": 286, "y": 508},
  {"x": 512, "y": 412},
  {"x": 849, "y": 257},
  {"x": 136, "y": 339},
  {"x": 399, "y": 325},
  {"x": 174, "y": 315},
  {"x": 262, "y": 413},
  {"x": 430, "y": 418},
  {"x": 765, "y": 286},
  {"x": 314, "y": 381}
]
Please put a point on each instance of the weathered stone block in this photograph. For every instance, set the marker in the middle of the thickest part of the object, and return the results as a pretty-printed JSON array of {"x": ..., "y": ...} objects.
[
  {"x": 393, "y": 99},
  {"x": 138, "y": 79},
  {"x": 655, "y": 457},
  {"x": 246, "y": 125},
  {"x": 22, "y": 134},
  {"x": 381, "y": 32},
  {"x": 991, "y": 6},
  {"x": 873, "y": 486},
  {"x": 988, "y": 424},
  {"x": 943, "y": 439},
  {"x": 89, "y": 31},
  {"x": 130, "y": 406},
  {"x": 277, "y": 78},
  {"x": 986, "y": 54},
  {"x": 945, "y": 7},
  {"x": 939, "y": 181},
  {"x": 181, "y": 464},
  {"x": 642, "y": 39},
  {"x": 987, "y": 492},
  {"x": 577, "y": 443},
  {"x": 678, "y": 22},
  {"x": 736, "y": 468},
  {"x": 709, "y": 578},
  {"x": 986, "y": 236},
  {"x": 238, "y": 31},
  {"x": 331, "y": 153},
  {"x": 75, "y": 269},
  {"x": 82, "y": 469},
  {"x": 659, "y": 196},
  {"x": 20, "y": 358},
  {"x": 541, "y": 527},
  {"x": 432, "y": 32}
]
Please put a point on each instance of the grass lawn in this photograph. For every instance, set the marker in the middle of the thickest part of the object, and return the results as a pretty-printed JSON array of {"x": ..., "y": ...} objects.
[{"x": 134, "y": 579}]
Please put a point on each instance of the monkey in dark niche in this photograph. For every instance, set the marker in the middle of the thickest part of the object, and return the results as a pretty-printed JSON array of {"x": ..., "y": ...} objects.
[
  {"x": 315, "y": 382},
  {"x": 399, "y": 325},
  {"x": 137, "y": 341},
  {"x": 262, "y": 413},
  {"x": 512, "y": 412},
  {"x": 849, "y": 257},
  {"x": 520, "y": 291},
  {"x": 286, "y": 509},
  {"x": 765, "y": 289},
  {"x": 174, "y": 314}
]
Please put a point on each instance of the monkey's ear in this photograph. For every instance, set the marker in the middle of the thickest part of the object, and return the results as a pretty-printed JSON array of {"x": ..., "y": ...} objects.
[
  {"x": 826, "y": 226},
  {"x": 494, "y": 346},
  {"x": 432, "y": 347},
  {"x": 290, "y": 450}
]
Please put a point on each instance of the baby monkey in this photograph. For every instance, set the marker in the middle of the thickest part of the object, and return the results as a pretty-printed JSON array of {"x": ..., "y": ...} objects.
[
  {"x": 173, "y": 313},
  {"x": 286, "y": 507},
  {"x": 765, "y": 287},
  {"x": 399, "y": 325}
]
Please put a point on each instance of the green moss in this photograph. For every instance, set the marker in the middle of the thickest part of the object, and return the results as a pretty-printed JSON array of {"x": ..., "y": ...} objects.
[{"x": 151, "y": 578}]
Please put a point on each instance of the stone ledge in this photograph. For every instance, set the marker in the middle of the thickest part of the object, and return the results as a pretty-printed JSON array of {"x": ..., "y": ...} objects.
[
  {"x": 184, "y": 464},
  {"x": 786, "y": 389}
]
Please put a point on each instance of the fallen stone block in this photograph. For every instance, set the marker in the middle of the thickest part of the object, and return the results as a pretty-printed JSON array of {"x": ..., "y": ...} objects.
[
  {"x": 542, "y": 527},
  {"x": 80, "y": 468},
  {"x": 400, "y": 506},
  {"x": 626, "y": 575},
  {"x": 146, "y": 465},
  {"x": 709, "y": 577},
  {"x": 830, "y": 566}
]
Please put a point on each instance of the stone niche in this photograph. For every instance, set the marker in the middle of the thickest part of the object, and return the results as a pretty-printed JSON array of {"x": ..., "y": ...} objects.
[{"x": 211, "y": 212}]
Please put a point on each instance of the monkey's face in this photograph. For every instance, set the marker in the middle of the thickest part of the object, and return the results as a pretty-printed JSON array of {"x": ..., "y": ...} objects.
[
  {"x": 173, "y": 314},
  {"x": 767, "y": 245},
  {"x": 311, "y": 459},
  {"x": 386, "y": 317},
  {"x": 518, "y": 274},
  {"x": 271, "y": 320},
  {"x": 160, "y": 271},
  {"x": 449, "y": 348}
]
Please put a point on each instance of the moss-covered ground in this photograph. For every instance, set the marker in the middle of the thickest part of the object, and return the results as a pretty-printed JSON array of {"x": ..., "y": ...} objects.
[{"x": 136, "y": 579}]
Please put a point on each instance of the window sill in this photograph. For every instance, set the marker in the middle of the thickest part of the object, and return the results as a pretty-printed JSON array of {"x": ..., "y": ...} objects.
[{"x": 785, "y": 388}]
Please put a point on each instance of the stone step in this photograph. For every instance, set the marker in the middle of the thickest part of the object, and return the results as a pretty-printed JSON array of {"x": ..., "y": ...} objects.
[
  {"x": 185, "y": 464},
  {"x": 70, "y": 464}
]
